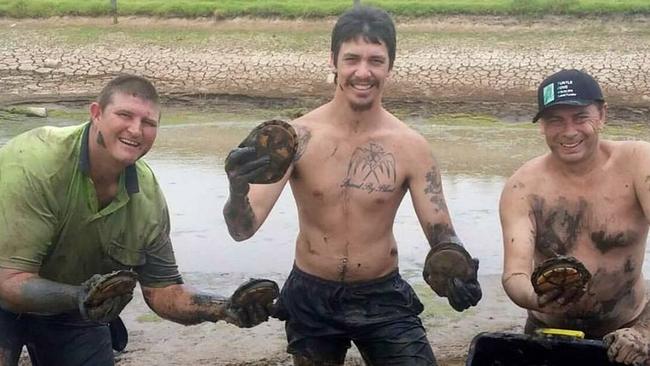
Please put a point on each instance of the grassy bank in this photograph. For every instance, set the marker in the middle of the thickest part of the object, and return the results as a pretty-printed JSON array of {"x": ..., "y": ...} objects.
[{"x": 315, "y": 8}]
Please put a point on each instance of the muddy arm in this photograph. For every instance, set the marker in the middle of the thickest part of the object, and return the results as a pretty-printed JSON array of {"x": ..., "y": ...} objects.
[
  {"x": 641, "y": 157},
  {"x": 183, "y": 304},
  {"x": 425, "y": 187},
  {"x": 518, "y": 246},
  {"x": 22, "y": 292},
  {"x": 244, "y": 214}
]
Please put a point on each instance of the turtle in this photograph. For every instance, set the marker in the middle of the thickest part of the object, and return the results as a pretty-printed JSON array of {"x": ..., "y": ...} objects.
[
  {"x": 445, "y": 261},
  {"x": 103, "y": 287},
  {"x": 563, "y": 273},
  {"x": 255, "y": 291},
  {"x": 278, "y": 140}
]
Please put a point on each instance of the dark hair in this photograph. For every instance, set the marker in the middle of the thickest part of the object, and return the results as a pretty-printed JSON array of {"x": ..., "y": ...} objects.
[
  {"x": 128, "y": 84},
  {"x": 374, "y": 25}
]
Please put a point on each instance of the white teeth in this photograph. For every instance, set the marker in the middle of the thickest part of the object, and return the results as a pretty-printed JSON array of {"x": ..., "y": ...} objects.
[
  {"x": 129, "y": 142},
  {"x": 362, "y": 87},
  {"x": 571, "y": 145}
]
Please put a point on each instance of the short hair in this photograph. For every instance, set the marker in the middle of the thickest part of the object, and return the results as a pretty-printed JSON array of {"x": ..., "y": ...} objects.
[
  {"x": 373, "y": 24},
  {"x": 133, "y": 85}
]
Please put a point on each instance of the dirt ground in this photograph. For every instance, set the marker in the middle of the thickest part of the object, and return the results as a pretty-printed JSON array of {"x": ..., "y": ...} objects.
[
  {"x": 37, "y": 66},
  {"x": 157, "y": 342}
]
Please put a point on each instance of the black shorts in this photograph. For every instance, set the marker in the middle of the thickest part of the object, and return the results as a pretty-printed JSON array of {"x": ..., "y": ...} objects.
[
  {"x": 65, "y": 340},
  {"x": 379, "y": 316}
]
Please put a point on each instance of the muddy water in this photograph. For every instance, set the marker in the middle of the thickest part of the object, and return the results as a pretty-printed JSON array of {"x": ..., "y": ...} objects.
[{"x": 476, "y": 158}]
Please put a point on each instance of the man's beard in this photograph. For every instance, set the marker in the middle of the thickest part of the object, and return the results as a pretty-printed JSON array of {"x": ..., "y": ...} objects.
[{"x": 361, "y": 107}]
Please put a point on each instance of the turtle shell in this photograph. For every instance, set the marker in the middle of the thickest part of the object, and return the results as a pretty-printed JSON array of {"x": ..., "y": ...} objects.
[
  {"x": 103, "y": 287},
  {"x": 278, "y": 140},
  {"x": 563, "y": 273},
  {"x": 255, "y": 291},
  {"x": 444, "y": 262}
]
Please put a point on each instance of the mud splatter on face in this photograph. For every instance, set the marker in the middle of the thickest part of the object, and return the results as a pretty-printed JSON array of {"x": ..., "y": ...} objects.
[
  {"x": 558, "y": 226},
  {"x": 605, "y": 242},
  {"x": 100, "y": 139},
  {"x": 629, "y": 266}
]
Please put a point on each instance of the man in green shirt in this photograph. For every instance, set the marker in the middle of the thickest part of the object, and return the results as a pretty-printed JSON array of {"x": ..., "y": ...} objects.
[{"x": 79, "y": 201}]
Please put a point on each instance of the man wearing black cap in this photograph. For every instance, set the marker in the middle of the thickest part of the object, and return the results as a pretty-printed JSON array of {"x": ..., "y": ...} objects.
[{"x": 587, "y": 200}]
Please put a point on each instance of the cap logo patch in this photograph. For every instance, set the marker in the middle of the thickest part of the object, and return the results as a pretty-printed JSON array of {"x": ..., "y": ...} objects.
[
  {"x": 565, "y": 89},
  {"x": 549, "y": 93}
]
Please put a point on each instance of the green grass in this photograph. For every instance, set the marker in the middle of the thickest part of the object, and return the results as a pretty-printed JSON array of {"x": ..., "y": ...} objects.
[
  {"x": 149, "y": 317},
  {"x": 313, "y": 8},
  {"x": 437, "y": 310}
]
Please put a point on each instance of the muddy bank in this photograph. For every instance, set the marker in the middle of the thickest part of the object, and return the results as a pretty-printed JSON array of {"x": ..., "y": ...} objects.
[
  {"x": 157, "y": 342},
  {"x": 450, "y": 61}
]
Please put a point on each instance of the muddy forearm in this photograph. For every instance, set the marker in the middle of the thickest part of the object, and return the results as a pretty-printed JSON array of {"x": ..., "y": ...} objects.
[
  {"x": 37, "y": 295},
  {"x": 441, "y": 233},
  {"x": 184, "y": 305},
  {"x": 239, "y": 217},
  {"x": 518, "y": 287}
]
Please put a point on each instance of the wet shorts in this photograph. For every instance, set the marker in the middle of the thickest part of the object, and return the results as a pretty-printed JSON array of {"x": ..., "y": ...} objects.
[
  {"x": 380, "y": 316},
  {"x": 64, "y": 339}
]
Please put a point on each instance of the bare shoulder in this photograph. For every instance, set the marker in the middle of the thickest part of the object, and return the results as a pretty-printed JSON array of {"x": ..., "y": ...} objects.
[
  {"x": 526, "y": 179},
  {"x": 628, "y": 150},
  {"x": 408, "y": 138}
]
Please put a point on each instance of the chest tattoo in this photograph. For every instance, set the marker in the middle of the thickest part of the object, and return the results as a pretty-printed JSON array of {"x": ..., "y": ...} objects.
[{"x": 371, "y": 169}]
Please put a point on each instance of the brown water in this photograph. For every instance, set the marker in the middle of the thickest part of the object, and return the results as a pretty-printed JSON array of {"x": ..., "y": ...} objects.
[{"x": 476, "y": 159}]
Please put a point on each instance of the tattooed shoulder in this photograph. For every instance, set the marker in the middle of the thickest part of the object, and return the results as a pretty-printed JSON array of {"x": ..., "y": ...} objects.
[{"x": 304, "y": 135}]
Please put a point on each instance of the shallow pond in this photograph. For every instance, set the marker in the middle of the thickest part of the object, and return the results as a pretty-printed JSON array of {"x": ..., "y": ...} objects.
[{"x": 476, "y": 157}]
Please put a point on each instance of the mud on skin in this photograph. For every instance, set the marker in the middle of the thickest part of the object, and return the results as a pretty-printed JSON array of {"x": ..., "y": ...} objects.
[
  {"x": 242, "y": 215},
  {"x": 605, "y": 242},
  {"x": 441, "y": 233},
  {"x": 558, "y": 226}
]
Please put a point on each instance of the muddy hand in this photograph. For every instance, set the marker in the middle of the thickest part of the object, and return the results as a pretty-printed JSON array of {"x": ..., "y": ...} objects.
[
  {"x": 252, "y": 303},
  {"x": 463, "y": 294},
  {"x": 103, "y": 297},
  {"x": 628, "y": 346},
  {"x": 243, "y": 166}
]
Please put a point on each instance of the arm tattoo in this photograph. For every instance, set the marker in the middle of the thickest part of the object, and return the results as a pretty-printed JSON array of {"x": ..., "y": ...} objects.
[
  {"x": 304, "y": 135},
  {"x": 434, "y": 189},
  {"x": 371, "y": 169}
]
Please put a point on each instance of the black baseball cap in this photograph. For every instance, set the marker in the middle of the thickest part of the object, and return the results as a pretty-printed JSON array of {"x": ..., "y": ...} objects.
[{"x": 568, "y": 87}]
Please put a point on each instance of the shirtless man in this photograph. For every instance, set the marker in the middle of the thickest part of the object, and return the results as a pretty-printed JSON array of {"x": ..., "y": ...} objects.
[
  {"x": 355, "y": 163},
  {"x": 588, "y": 198}
]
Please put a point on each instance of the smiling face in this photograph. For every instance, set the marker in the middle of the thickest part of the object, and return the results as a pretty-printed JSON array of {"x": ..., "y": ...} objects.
[
  {"x": 571, "y": 132},
  {"x": 362, "y": 68},
  {"x": 124, "y": 130}
]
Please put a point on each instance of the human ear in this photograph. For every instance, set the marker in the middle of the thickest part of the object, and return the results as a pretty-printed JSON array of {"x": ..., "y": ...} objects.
[{"x": 95, "y": 111}]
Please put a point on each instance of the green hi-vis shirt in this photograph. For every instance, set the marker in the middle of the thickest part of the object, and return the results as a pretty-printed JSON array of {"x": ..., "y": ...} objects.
[{"x": 51, "y": 224}]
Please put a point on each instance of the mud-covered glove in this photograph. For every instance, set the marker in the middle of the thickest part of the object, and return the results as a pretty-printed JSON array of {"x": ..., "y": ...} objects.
[
  {"x": 451, "y": 272},
  {"x": 103, "y": 296},
  {"x": 252, "y": 303},
  {"x": 263, "y": 157},
  {"x": 628, "y": 346}
]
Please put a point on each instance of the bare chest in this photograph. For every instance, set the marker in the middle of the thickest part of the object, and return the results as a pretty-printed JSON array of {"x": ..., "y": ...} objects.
[
  {"x": 585, "y": 219},
  {"x": 365, "y": 173}
]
